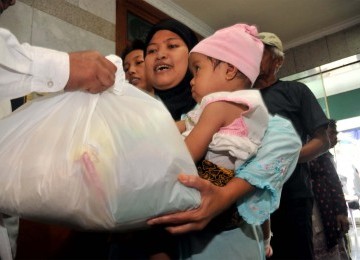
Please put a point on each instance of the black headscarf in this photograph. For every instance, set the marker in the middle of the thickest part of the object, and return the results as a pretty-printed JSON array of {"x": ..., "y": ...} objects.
[
  {"x": 177, "y": 99},
  {"x": 186, "y": 34}
]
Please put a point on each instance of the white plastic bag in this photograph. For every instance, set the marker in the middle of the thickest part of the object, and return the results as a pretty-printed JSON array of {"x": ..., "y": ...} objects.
[{"x": 132, "y": 141}]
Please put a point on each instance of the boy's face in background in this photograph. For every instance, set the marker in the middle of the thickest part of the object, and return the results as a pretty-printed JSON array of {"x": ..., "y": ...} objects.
[{"x": 134, "y": 67}]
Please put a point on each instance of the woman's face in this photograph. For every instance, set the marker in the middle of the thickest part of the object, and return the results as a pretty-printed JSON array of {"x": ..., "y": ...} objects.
[
  {"x": 166, "y": 60},
  {"x": 134, "y": 67}
]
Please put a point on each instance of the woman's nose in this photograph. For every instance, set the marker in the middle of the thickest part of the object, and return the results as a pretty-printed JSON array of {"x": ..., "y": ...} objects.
[{"x": 161, "y": 53}]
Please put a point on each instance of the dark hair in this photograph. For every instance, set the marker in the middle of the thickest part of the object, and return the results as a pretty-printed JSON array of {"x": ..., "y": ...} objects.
[
  {"x": 136, "y": 44},
  {"x": 185, "y": 33},
  {"x": 332, "y": 123}
]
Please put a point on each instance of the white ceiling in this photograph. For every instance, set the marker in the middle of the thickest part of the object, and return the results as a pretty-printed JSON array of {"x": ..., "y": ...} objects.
[{"x": 294, "y": 21}]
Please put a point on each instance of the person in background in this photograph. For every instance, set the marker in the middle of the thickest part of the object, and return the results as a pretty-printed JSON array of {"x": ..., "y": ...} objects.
[
  {"x": 257, "y": 184},
  {"x": 330, "y": 217},
  {"x": 291, "y": 224},
  {"x": 25, "y": 69},
  {"x": 134, "y": 66}
]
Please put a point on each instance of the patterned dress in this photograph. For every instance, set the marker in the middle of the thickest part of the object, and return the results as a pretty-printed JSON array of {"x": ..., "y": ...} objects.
[{"x": 329, "y": 202}]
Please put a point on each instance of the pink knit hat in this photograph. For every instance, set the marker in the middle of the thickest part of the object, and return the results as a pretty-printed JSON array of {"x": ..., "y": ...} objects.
[{"x": 237, "y": 45}]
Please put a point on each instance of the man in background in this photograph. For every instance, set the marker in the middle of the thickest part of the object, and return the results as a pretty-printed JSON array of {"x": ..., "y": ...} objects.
[{"x": 291, "y": 224}]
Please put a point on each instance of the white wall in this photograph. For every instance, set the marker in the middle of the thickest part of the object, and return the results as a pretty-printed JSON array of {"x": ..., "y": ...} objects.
[{"x": 58, "y": 24}]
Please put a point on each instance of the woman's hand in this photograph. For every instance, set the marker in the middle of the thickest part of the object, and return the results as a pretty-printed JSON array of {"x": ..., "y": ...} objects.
[
  {"x": 196, "y": 219},
  {"x": 214, "y": 200}
]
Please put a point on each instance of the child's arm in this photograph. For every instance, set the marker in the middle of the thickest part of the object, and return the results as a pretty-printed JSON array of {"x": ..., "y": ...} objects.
[
  {"x": 181, "y": 125},
  {"x": 213, "y": 117},
  {"x": 266, "y": 229}
]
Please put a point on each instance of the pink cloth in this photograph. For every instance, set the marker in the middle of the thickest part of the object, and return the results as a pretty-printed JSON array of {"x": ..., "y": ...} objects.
[
  {"x": 237, "y": 142},
  {"x": 237, "y": 45}
]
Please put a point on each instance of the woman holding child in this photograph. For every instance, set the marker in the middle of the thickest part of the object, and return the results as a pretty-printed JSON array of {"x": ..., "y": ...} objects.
[
  {"x": 255, "y": 190},
  {"x": 257, "y": 185}
]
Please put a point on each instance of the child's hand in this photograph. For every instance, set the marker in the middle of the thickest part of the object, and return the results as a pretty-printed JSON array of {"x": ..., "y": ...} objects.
[
  {"x": 268, "y": 251},
  {"x": 268, "y": 248}
]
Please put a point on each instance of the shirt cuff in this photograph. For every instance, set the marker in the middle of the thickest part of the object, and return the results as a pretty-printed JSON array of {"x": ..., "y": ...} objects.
[{"x": 50, "y": 70}]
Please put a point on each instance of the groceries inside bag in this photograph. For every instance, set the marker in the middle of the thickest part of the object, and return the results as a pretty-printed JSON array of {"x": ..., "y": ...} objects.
[{"x": 133, "y": 145}]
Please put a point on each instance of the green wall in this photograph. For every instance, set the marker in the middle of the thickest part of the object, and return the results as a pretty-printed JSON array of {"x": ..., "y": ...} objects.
[{"x": 343, "y": 105}]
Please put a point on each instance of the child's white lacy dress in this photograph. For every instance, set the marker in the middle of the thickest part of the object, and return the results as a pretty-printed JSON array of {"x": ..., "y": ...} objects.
[
  {"x": 236, "y": 143},
  {"x": 132, "y": 141}
]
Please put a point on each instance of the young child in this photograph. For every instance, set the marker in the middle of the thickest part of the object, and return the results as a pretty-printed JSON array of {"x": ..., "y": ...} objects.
[{"x": 229, "y": 122}]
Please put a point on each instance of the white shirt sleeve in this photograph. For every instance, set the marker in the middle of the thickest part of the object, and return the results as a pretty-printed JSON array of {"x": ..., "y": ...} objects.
[{"x": 25, "y": 69}]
